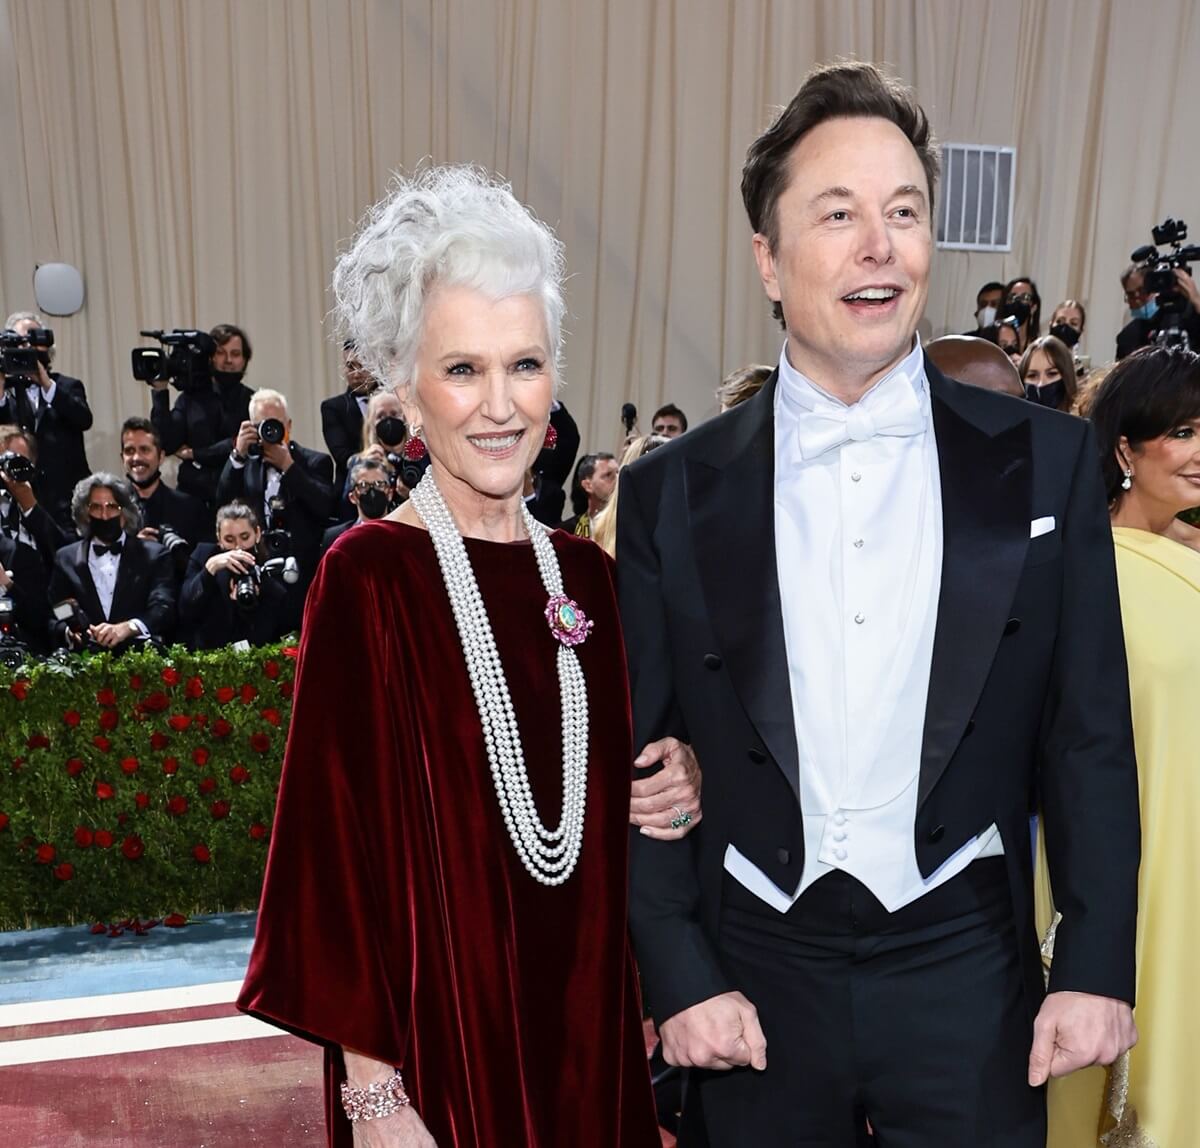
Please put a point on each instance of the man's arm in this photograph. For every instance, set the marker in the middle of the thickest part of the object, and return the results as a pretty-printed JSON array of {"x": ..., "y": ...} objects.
[
  {"x": 313, "y": 488},
  {"x": 232, "y": 483},
  {"x": 341, "y": 443},
  {"x": 171, "y": 424},
  {"x": 70, "y": 405}
]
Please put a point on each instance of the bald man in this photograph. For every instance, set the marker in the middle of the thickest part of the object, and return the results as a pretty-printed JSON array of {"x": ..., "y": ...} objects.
[{"x": 975, "y": 361}]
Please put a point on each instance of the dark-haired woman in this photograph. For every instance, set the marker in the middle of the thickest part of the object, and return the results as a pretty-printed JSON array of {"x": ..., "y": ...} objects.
[
  {"x": 1146, "y": 415},
  {"x": 1023, "y": 303},
  {"x": 1048, "y": 373}
]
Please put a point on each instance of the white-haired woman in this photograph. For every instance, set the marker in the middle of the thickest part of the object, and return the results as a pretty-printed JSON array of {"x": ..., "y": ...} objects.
[{"x": 446, "y": 892}]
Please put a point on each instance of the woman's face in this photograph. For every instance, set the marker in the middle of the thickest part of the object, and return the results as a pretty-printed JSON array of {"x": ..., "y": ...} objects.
[
  {"x": 1166, "y": 470},
  {"x": 1010, "y": 342},
  {"x": 1041, "y": 370},
  {"x": 1072, "y": 316},
  {"x": 385, "y": 405},
  {"x": 238, "y": 534},
  {"x": 482, "y": 391}
]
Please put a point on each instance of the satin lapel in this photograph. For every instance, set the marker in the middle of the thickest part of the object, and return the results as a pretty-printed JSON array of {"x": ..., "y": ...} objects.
[
  {"x": 126, "y": 596},
  {"x": 731, "y": 507},
  {"x": 89, "y": 600},
  {"x": 986, "y": 499},
  {"x": 255, "y": 486}
]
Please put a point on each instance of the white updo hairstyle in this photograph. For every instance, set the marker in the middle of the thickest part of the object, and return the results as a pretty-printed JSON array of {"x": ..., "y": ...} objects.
[{"x": 451, "y": 226}]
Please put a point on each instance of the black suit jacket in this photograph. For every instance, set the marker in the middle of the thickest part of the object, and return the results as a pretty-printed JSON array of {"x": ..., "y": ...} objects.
[
  {"x": 209, "y": 619},
  {"x": 341, "y": 424},
  {"x": 145, "y": 586},
  {"x": 1028, "y": 687},
  {"x": 208, "y": 421},
  {"x": 31, "y": 607},
  {"x": 186, "y": 513}
]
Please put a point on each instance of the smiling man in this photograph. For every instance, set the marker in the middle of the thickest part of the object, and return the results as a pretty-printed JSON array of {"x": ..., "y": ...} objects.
[{"x": 882, "y": 606}]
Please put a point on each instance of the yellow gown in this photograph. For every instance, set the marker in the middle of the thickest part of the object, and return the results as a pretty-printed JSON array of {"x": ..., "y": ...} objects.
[{"x": 1151, "y": 1098}]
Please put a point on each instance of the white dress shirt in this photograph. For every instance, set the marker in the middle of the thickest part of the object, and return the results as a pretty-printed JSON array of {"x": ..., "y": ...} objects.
[
  {"x": 272, "y": 478},
  {"x": 858, "y": 541},
  {"x": 36, "y": 396},
  {"x": 14, "y": 520},
  {"x": 104, "y": 569}
]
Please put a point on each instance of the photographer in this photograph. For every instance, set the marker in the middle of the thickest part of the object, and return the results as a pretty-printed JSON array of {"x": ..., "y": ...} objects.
[
  {"x": 22, "y": 517},
  {"x": 288, "y": 485},
  {"x": 383, "y": 437},
  {"x": 342, "y": 416},
  {"x": 123, "y": 587},
  {"x": 225, "y": 596},
  {"x": 24, "y": 607},
  {"x": 202, "y": 425},
  {"x": 184, "y": 517},
  {"x": 372, "y": 494},
  {"x": 1144, "y": 306},
  {"x": 55, "y": 408}
]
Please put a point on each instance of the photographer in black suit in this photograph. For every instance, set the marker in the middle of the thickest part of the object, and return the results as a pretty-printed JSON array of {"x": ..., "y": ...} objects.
[
  {"x": 288, "y": 485},
  {"x": 372, "y": 494},
  {"x": 226, "y": 598},
  {"x": 24, "y": 607},
  {"x": 22, "y": 517},
  {"x": 201, "y": 426},
  {"x": 342, "y": 415},
  {"x": 142, "y": 455},
  {"x": 124, "y": 587},
  {"x": 54, "y": 407}
]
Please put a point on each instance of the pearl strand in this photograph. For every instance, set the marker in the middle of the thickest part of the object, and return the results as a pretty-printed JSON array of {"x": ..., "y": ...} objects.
[{"x": 549, "y": 855}]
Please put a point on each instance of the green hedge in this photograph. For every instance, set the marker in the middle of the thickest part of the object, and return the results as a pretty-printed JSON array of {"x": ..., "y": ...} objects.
[{"x": 139, "y": 786}]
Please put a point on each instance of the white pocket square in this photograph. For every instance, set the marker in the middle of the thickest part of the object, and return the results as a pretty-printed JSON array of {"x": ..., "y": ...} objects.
[{"x": 1040, "y": 526}]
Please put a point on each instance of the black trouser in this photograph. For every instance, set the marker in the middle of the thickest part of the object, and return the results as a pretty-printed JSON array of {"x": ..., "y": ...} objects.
[{"x": 915, "y": 1020}]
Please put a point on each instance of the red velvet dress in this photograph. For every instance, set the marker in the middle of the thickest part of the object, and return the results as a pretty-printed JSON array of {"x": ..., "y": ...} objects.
[{"x": 396, "y": 918}]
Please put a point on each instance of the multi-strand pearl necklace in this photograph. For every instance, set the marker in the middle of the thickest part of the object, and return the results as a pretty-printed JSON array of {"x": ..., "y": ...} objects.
[{"x": 548, "y": 854}]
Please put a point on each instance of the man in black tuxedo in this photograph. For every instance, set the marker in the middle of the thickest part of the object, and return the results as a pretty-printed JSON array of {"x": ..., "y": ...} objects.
[
  {"x": 22, "y": 517},
  {"x": 342, "y": 415},
  {"x": 54, "y": 408},
  {"x": 24, "y": 607},
  {"x": 882, "y": 607},
  {"x": 142, "y": 455},
  {"x": 289, "y": 486},
  {"x": 124, "y": 586}
]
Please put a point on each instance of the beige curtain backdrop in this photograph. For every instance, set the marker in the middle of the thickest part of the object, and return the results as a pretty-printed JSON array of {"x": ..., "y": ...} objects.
[{"x": 202, "y": 160}]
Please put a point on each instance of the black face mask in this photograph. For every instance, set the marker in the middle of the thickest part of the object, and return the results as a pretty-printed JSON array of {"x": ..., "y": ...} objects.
[
  {"x": 1051, "y": 395},
  {"x": 1066, "y": 333},
  {"x": 390, "y": 430},
  {"x": 374, "y": 503},
  {"x": 149, "y": 480},
  {"x": 1018, "y": 311},
  {"x": 106, "y": 530},
  {"x": 227, "y": 378}
]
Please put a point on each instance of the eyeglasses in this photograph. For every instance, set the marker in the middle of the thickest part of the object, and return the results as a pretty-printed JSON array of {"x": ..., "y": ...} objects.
[
  {"x": 1024, "y": 297},
  {"x": 1134, "y": 295},
  {"x": 96, "y": 507},
  {"x": 363, "y": 487}
]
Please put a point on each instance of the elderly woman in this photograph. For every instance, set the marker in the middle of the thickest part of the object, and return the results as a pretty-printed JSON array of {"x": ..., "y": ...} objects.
[{"x": 446, "y": 891}]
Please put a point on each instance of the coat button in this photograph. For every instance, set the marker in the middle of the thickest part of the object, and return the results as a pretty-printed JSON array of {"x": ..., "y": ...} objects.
[
  {"x": 970, "y": 728},
  {"x": 784, "y": 856},
  {"x": 712, "y": 661},
  {"x": 1012, "y": 626},
  {"x": 757, "y": 755},
  {"x": 937, "y": 833}
]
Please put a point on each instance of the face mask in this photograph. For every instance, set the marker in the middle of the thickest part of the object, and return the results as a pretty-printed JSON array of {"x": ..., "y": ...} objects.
[
  {"x": 985, "y": 316},
  {"x": 1147, "y": 310},
  {"x": 1066, "y": 333},
  {"x": 1051, "y": 395},
  {"x": 227, "y": 378},
  {"x": 106, "y": 530},
  {"x": 1018, "y": 311},
  {"x": 390, "y": 430},
  {"x": 373, "y": 503},
  {"x": 149, "y": 480}
]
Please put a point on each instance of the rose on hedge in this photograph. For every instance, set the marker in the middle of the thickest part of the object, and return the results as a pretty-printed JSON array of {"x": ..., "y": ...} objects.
[
  {"x": 221, "y": 728},
  {"x": 129, "y": 766},
  {"x": 179, "y": 722},
  {"x": 155, "y": 702},
  {"x": 272, "y": 716},
  {"x": 45, "y": 853},
  {"x": 194, "y": 688},
  {"x": 170, "y": 675},
  {"x": 72, "y": 718},
  {"x": 3, "y": 822},
  {"x": 225, "y": 694},
  {"x": 257, "y": 831},
  {"x": 249, "y": 693},
  {"x": 207, "y": 785},
  {"x": 74, "y": 767},
  {"x": 201, "y": 854},
  {"x": 219, "y": 810},
  {"x": 109, "y": 720},
  {"x": 38, "y": 741},
  {"x": 102, "y": 743},
  {"x": 239, "y": 774},
  {"x": 84, "y": 836},
  {"x": 133, "y": 847},
  {"x": 260, "y": 742},
  {"x": 65, "y": 871},
  {"x": 103, "y": 790},
  {"x": 177, "y": 806},
  {"x": 135, "y": 682},
  {"x": 286, "y": 689},
  {"x": 170, "y": 765},
  {"x": 106, "y": 697},
  {"x": 141, "y": 800},
  {"x": 19, "y": 689},
  {"x": 200, "y": 755},
  {"x": 104, "y": 839},
  {"x": 159, "y": 740}
]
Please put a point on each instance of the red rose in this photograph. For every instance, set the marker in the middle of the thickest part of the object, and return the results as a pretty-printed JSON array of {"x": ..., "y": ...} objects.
[
  {"x": 98, "y": 928},
  {"x": 200, "y": 755},
  {"x": 45, "y": 854},
  {"x": 141, "y": 800},
  {"x": 38, "y": 741},
  {"x": 159, "y": 740},
  {"x": 109, "y": 719},
  {"x": 271, "y": 716},
  {"x": 174, "y": 920},
  {"x": 72, "y": 718},
  {"x": 208, "y": 784},
  {"x": 135, "y": 682},
  {"x": 103, "y": 790},
  {"x": 239, "y": 774},
  {"x": 221, "y": 728},
  {"x": 156, "y": 702},
  {"x": 17, "y": 762},
  {"x": 219, "y": 809},
  {"x": 225, "y": 694},
  {"x": 177, "y": 806},
  {"x": 249, "y": 693},
  {"x": 106, "y": 697},
  {"x": 200, "y": 720},
  {"x": 179, "y": 722},
  {"x": 258, "y": 831},
  {"x": 170, "y": 765},
  {"x": 133, "y": 847},
  {"x": 286, "y": 689},
  {"x": 194, "y": 687},
  {"x": 3, "y": 822},
  {"x": 102, "y": 743},
  {"x": 201, "y": 854},
  {"x": 65, "y": 871},
  {"x": 84, "y": 836},
  {"x": 104, "y": 838},
  {"x": 260, "y": 742},
  {"x": 170, "y": 675},
  {"x": 74, "y": 767},
  {"x": 19, "y": 689},
  {"x": 129, "y": 765},
  {"x": 290, "y": 651},
  {"x": 271, "y": 669}
]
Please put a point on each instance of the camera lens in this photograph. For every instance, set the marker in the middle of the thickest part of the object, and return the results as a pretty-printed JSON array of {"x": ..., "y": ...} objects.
[{"x": 271, "y": 431}]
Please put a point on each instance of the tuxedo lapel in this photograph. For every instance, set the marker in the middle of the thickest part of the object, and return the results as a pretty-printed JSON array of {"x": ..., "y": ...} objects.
[
  {"x": 127, "y": 596},
  {"x": 731, "y": 507},
  {"x": 986, "y": 480},
  {"x": 89, "y": 600},
  {"x": 254, "y": 485}
]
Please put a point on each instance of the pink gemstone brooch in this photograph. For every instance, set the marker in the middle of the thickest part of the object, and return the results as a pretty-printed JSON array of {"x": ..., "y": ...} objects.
[{"x": 568, "y": 623}]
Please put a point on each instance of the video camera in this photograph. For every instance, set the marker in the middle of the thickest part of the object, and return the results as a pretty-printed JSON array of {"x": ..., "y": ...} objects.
[
  {"x": 19, "y": 354},
  {"x": 1158, "y": 278},
  {"x": 182, "y": 360}
]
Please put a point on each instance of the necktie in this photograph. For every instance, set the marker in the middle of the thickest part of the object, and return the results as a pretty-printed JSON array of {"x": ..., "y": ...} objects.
[{"x": 893, "y": 410}]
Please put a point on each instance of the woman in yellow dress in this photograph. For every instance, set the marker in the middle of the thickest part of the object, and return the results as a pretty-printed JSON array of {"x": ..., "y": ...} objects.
[{"x": 1146, "y": 415}]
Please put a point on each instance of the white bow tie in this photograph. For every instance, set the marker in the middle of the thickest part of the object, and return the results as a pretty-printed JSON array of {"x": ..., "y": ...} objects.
[{"x": 895, "y": 410}]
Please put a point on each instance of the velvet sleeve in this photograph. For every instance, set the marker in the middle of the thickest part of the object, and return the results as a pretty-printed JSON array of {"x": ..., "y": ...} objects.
[{"x": 331, "y": 958}]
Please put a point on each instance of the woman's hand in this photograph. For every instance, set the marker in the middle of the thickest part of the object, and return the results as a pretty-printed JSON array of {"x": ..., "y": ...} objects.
[
  {"x": 403, "y": 1129},
  {"x": 235, "y": 561},
  {"x": 672, "y": 791}
]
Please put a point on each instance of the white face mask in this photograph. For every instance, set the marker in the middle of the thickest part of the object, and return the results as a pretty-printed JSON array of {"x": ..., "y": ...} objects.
[{"x": 985, "y": 316}]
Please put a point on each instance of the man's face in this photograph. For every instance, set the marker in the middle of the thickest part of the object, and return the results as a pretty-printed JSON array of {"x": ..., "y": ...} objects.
[
  {"x": 1135, "y": 291},
  {"x": 18, "y": 445},
  {"x": 359, "y": 380},
  {"x": 599, "y": 488},
  {"x": 230, "y": 355},
  {"x": 992, "y": 298},
  {"x": 102, "y": 503},
  {"x": 139, "y": 454},
  {"x": 24, "y": 326},
  {"x": 853, "y": 218},
  {"x": 668, "y": 426}
]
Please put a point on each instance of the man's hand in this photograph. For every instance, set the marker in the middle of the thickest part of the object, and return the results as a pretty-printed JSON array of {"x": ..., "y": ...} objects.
[
  {"x": 43, "y": 376},
  {"x": 22, "y": 492},
  {"x": 721, "y": 1032},
  {"x": 278, "y": 455},
  {"x": 1076, "y": 1030},
  {"x": 148, "y": 534},
  {"x": 185, "y": 453},
  {"x": 1188, "y": 286},
  {"x": 5, "y": 578},
  {"x": 675, "y": 786},
  {"x": 247, "y": 436},
  {"x": 111, "y": 634}
]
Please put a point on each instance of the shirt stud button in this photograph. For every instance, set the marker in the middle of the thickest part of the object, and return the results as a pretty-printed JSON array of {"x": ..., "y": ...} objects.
[
  {"x": 860, "y": 618},
  {"x": 856, "y": 477},
  {"x": 840, "y": 854},
  {"x": 858, "y": 544}
]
